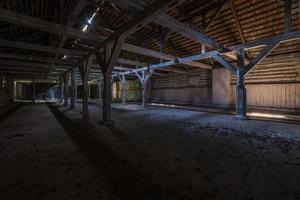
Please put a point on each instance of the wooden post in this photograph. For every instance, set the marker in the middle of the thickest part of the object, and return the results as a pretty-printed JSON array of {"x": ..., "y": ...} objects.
[
  {"x": 33, "y": 91},
  {"x": 66, "y": 88},
  {"x": 10, "y": 88},
  {"x": 1, "y": 81},
  {"x": 73, "y": 88},
  {"x": 89, "y": 91},
  {"x": 85, "y": 108},
  {"x": 288, "y": 15},
  {"x": 240, "y": 86},
  {"x": 144, "y": 78},
  {"x": 100, "y": 90},
  {"x": 107, "y": 96},
  {"x": 122, "y": 79},
  {"x": 84, "y": 71},
  {"x": 144, "y": 88},
  {"x": 76, "y": 93},
  {"x": 107, "y": 60},
  {"x": 61, "y": 85}
]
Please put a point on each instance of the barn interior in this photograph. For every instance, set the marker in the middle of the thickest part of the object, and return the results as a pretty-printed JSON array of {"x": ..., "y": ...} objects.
[{"x": 150, "y": 99}]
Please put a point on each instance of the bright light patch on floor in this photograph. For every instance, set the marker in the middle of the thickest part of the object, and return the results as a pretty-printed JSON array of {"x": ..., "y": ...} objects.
[
  {"x": 268, "y": 115},
  {"x": 165, "y": 105}
]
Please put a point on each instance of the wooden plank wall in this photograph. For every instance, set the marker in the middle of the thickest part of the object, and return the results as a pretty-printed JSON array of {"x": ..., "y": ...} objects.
[
  {"x": 274, "y": 97},
  {"x": 274, "y": 84},
  {"x": 133, "y": 90},
  {"x": 193, "y": 88}
]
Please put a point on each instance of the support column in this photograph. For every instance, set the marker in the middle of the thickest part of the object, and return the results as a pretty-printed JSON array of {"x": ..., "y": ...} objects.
[
  {"x": 240, "y": 86},
  {"x": 85, "y": 108},
  {"x": 89, "y": 91},
  {"x": 10, "y": 88},
  {"x": 123, "y": 88},
  {"x": 73, "y": 92},
  {"x": 144, "y": 92},
  {"x": 33, "y": 91},
  {"x": 107, "y": 61},
  {"x": 100, "y": 90},
  {"x": 144, "y": 78},
  {"x": 1, "y": 81},
  {"x": 61, "y": 86},
  {"x": 84, "y": 71},
  {"x": 66, "y": 88},
  {"x": 76, "y": 93},
  {"x": 51, "y": 94},
  {"x": 107, "y": 96}
]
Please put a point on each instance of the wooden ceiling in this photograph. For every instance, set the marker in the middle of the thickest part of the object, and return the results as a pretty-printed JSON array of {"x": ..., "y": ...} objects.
[{"x": 228, "y": 22}]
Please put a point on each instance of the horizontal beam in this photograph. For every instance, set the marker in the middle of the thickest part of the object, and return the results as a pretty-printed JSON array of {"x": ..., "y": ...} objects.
[
  {"x": 32, "y": 58},
  {"x": 251, "y": 45},
  {"x": 13, "y": 68},
  {"x": 177, "y": 26},
  {"x": 131, "y": 62},
  {"x": 27, "y": 64},
  {"x": 43, "y": 25},
  {"x": 40, "y": 48},
  {"x": 146, "y": 52},
  {"x": 155, "y": 54}
]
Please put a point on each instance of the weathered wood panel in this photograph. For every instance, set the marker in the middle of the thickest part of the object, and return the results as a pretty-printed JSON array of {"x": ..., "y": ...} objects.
[
  {"x": 277, "y": 97},
  {"x": 133, "y": 90},
  {"x": 191, "y": 96},
  {"x": 192, "y": 88}
]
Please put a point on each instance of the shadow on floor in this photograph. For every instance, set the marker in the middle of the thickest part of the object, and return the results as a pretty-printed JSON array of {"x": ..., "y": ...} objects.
[
  {"x": 126, "y": 180},
  {"x": 7, "y": 110}
]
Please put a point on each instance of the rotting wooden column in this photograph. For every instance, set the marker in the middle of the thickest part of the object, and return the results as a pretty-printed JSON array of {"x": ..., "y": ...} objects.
[
  {"x": 107, "y": 60},
  {"x": 84, "y": 71},
  {"x": 240, "y": 86},
  {"x": 144, "y": 77},
  {"x": 73, "y": 88},
  {"x": 33, "y": 90},
  {"x": 66, "y": 88},
  {"x": 61, "y": 86},
  {"x": 122, "y": 79}
]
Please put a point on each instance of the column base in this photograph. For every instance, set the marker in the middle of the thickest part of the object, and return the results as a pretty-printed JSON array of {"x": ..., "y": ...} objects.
[
  {"x": 107, "y": 122},
  {"x": 241, "y": 117}
]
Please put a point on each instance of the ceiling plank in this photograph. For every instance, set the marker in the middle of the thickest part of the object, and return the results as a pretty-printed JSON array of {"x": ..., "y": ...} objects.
[
  {"x": 155, "y": 54},
  {"x": 43, "y": 25},
  {"x": 177, "y": 26},
  {"x": 41, "y": 48}
]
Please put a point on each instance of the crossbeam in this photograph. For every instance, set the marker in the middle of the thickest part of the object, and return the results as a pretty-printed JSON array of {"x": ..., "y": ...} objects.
[
  {"x": 251, "y": 45},
  {"x": 155, "y": 54},
  {"x": 41, "y": 48},
  {"x": 177, "y": 26},
  {"x": 43, "y": 25}
]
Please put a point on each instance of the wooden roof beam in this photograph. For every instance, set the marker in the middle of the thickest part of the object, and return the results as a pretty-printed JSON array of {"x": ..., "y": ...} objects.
[
  {"x": 142, "y": 19},
  {"x": 43, "y": 25},
  {"x": 70, "y": 23},
  {"x": 131, "y": 5},
  {"x": 41, "y": 48},
  {"x": 177, "y": 26},
  {"x": 155, "y": 54},
  {"x": 254, "y": 44},
  {"x": 32, "y": 58}
]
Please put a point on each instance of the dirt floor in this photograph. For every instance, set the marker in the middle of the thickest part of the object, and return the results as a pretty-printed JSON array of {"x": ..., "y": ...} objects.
[{"x": 149, "y": 153}]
